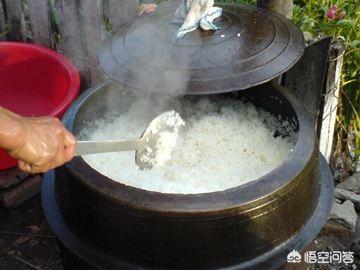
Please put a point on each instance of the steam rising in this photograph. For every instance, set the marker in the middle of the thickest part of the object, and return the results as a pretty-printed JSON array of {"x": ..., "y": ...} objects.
[{"x": 155, "y": 62}]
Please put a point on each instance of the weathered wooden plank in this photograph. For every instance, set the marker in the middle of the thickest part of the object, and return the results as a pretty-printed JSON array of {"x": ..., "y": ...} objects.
[
  {"x": 21, "y": 193},
  {"x": 2, "y": 23},
  {"x": 12, "y": 177},
  {"x": 93, "y": 30},
  {"x": 283, "y": 7},
  {"x": 119, "y": 12},
  {"x": 39, "y": 12},
  {"x": 15, "y": 20},
  {"x": 72, "y": 43},
  {"x": 331, "y": 99}
]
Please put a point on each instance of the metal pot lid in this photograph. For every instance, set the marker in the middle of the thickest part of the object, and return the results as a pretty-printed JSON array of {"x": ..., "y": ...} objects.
[{"x": 253, "y": 46}]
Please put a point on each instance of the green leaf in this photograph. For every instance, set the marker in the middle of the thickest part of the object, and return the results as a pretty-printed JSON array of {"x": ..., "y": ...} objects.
[
  {"x": 346, "y": 22},
  {"x": 353, "y": 44}
]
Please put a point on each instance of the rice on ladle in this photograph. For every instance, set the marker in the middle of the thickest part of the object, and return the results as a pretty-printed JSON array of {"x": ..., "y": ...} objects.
[
  {"x": 224, "y": 144},
  {"x": 159, "y": 140}
]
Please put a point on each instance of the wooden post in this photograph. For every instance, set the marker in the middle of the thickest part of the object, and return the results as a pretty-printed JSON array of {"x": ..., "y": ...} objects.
[
  {"x": 331, "y": 98},
  {"x": 2, "y": 22},
  {"x": 39, "y": 11},
  {"x": 283, "y": 7},
  {"x": 92, "y": 11},
  {"x": 15, "y": 20},
  {"x": 72, "y": 41},
  {"x": 81, "y": 31},
  {"x": 119, "y": 12}
]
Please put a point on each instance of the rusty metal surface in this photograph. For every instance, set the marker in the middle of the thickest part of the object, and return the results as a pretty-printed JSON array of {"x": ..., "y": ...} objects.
[
  {"x": 252, "y": 47},
  {"x": 306, "y": 78}
]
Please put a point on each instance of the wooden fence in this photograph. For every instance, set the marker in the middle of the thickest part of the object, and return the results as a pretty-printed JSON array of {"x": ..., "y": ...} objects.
[{"x": 75, "y": 28}]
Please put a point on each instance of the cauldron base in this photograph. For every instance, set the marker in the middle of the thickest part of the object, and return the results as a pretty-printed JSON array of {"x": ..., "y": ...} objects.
[{"x": 77, "y": 254}]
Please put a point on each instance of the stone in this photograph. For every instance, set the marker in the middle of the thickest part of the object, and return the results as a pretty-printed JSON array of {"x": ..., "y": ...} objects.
[
  {"x": 343, "y": 195},
  {"x": 338, "y": 200},
  {"x": 308, "y": 37},
  {"x": 344, "y": 214},
  {"x": 351, "y": 183},
  {"x": 356, "y": 237},
  {"x": 335, "y": 232}
]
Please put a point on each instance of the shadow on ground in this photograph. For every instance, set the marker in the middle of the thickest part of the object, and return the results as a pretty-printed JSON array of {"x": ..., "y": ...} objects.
[{"x": 23, "y": 247}]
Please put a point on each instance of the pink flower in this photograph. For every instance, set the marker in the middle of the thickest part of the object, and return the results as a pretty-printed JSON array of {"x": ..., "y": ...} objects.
[
  {"x": 331, "y": 14},
  {"x": 335, "y": 13}
]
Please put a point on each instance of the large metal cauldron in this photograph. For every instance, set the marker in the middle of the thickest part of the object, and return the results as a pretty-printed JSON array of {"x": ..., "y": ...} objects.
[{"x": 109, "y": 225}]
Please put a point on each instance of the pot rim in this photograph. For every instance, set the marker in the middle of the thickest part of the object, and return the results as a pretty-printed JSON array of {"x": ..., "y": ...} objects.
[{"x": 245, "y": 194}]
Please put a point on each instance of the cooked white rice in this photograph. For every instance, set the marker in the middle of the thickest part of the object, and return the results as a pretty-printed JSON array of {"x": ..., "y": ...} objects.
[{"x": 224, "y": 144}]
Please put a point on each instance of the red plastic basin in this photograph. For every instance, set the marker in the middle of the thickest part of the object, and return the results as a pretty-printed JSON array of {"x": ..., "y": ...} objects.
[{"x": 35, "y": 81}]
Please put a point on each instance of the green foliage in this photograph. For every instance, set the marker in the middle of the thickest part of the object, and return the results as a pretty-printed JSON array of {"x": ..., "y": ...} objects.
[{"x": 313, "y": 16}]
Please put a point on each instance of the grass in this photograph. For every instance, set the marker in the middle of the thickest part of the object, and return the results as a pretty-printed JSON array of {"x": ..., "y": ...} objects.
[{"x": 312, "y": 16}]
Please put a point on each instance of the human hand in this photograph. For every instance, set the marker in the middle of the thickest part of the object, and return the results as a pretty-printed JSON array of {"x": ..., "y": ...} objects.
[
  {"x": 39, "y": 143},
  {"x": 144, "y": 9}
]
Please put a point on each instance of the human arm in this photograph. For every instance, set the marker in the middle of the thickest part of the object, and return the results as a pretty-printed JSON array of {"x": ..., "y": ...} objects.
[{"x": 39, "y": 143}]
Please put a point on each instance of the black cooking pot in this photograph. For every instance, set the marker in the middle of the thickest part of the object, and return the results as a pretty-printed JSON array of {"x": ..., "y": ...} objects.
[{"x": 230, "y": 228}]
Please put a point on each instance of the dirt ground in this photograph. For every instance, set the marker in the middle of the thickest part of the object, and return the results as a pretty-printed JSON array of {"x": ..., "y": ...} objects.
[{"x": 26, "y": 241}]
